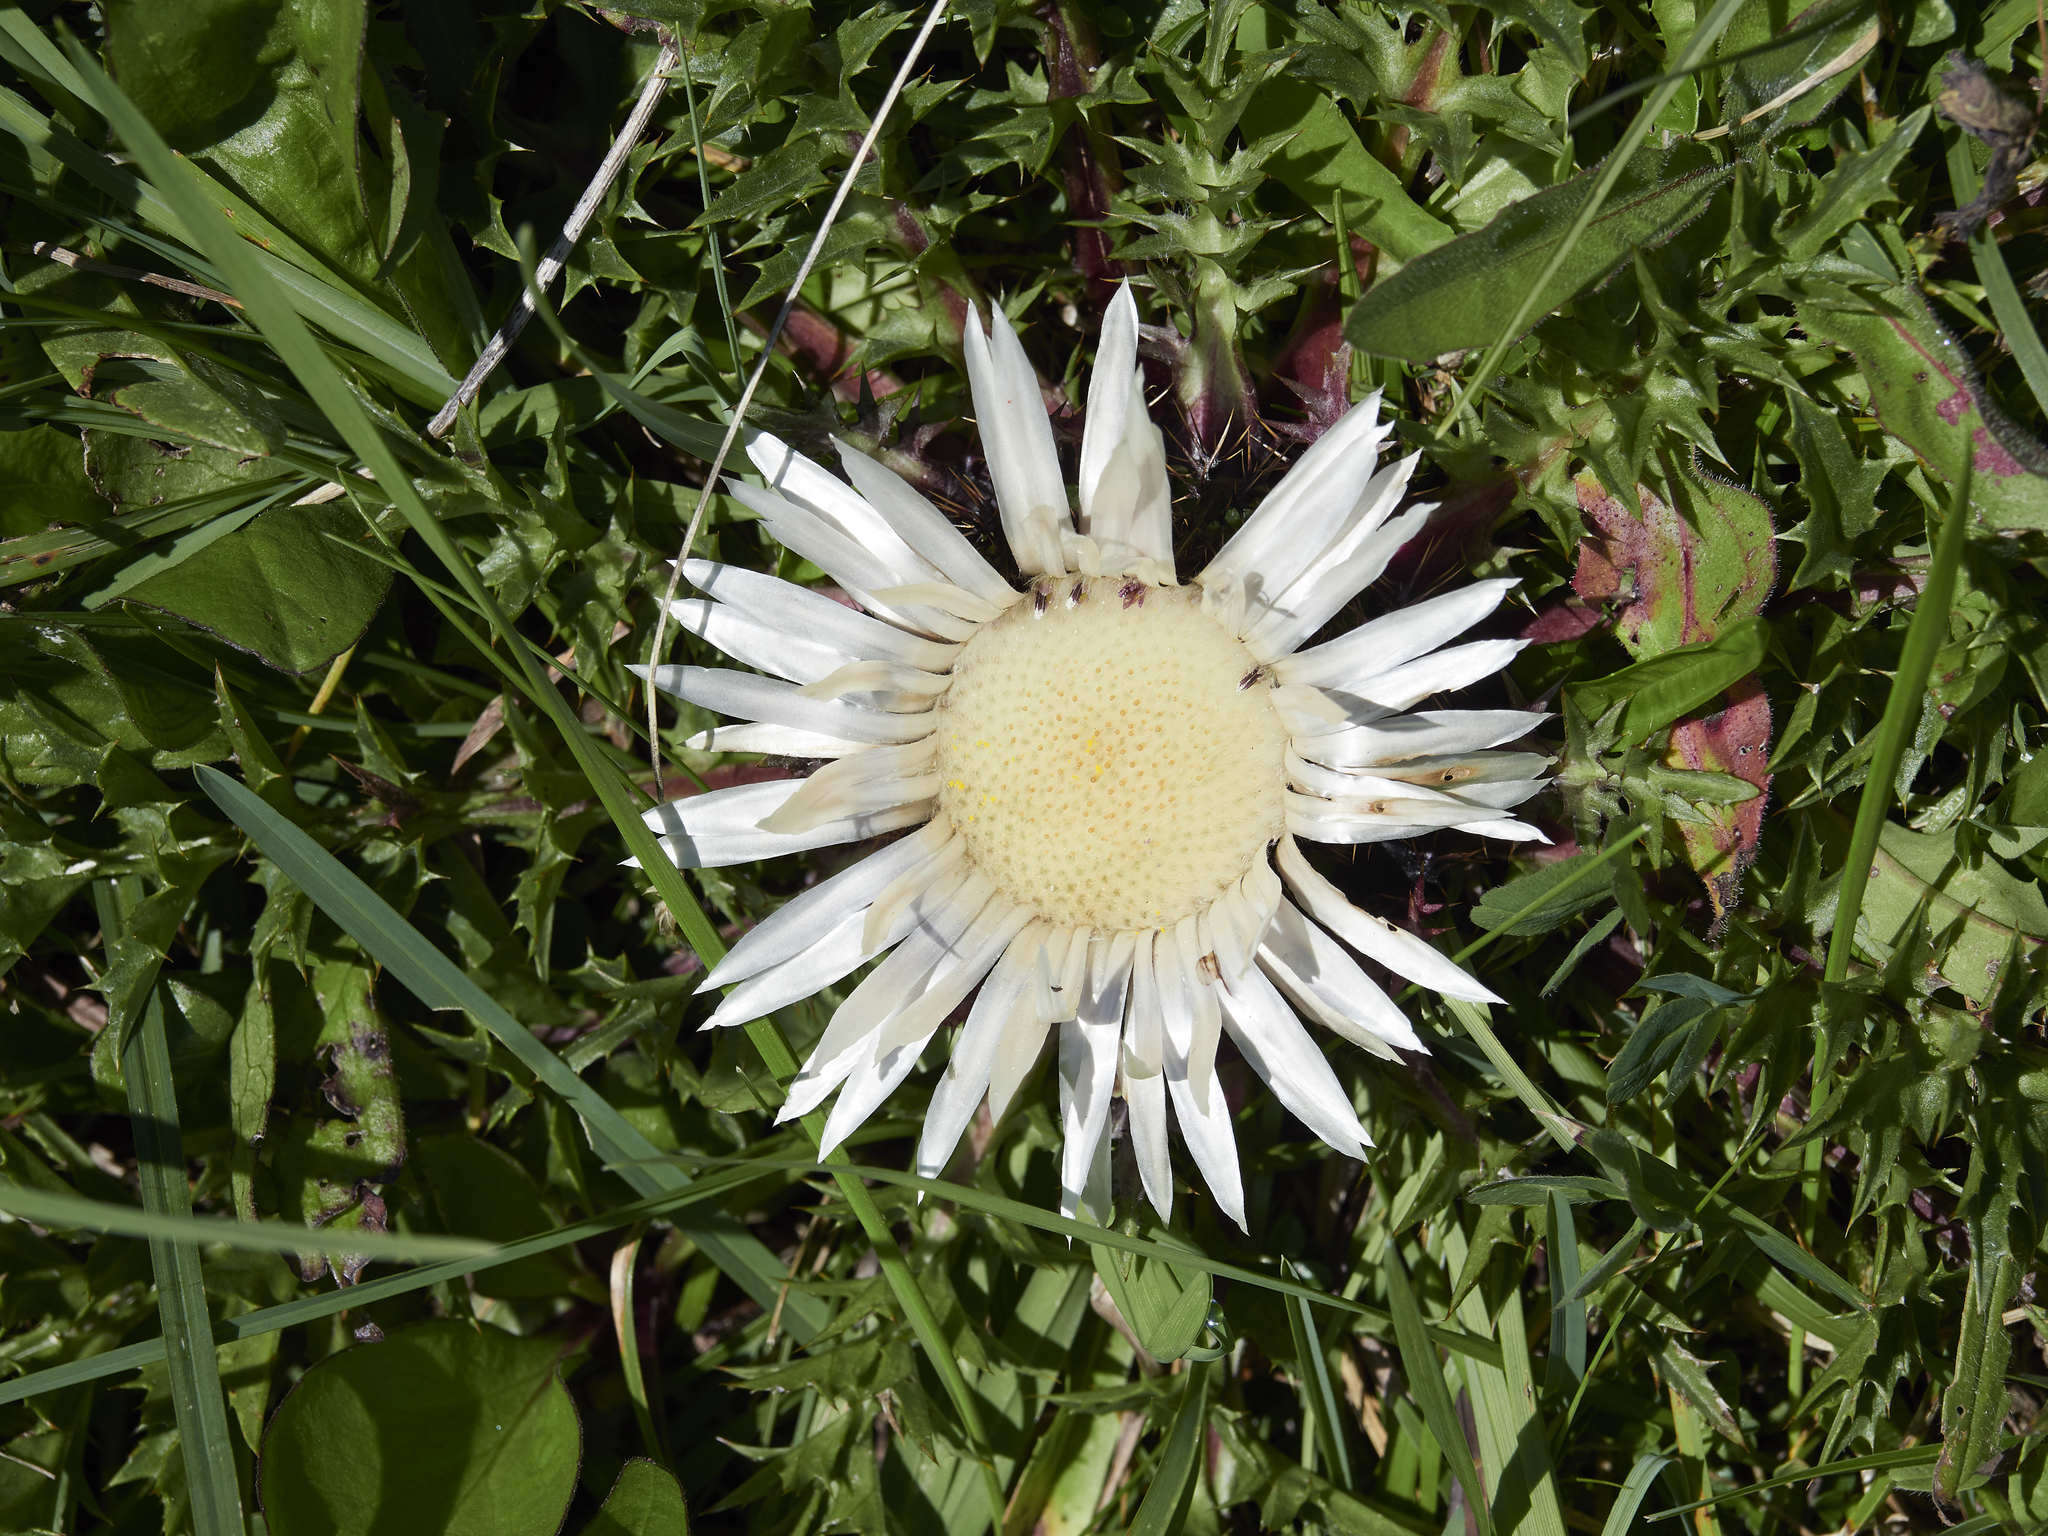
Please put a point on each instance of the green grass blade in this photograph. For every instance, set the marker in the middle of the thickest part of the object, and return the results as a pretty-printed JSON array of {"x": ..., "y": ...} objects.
[
  {"x": 1621, "y": 1518},
  {"x": 437, "y": 982},
  {"x": 1880, "y": 1461},
  {"x": 1512, "y": 1443},
  {"x": 1317, "y": 1391},
  {"x": 1173, "y": 1483},
  {"x": 2007, "y": 307},
  {"x": 1895, "y": 728},
  {"x": 1428, "y": 1384},
  {"x": 1567, "y": 1364},
  {"x": 1554, "y": 1120},
  {"x": 197, "y": 1400},
  {"x": 714, "y": 247},
  {"x": 625, "y": 1327},
  {"x": 164, "y": 1224}
]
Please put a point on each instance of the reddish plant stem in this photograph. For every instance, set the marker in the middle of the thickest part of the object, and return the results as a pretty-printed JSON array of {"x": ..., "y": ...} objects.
[{"x": 1092, "y": 173}]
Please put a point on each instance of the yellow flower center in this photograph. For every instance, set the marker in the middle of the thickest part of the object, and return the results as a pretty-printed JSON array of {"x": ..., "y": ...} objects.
[{"x": 1111, "y": 754}]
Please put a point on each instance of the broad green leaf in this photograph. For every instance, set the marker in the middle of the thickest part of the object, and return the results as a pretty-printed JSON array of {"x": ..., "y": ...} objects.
[
  {"x": 43, "y": 483},
  {"x": 1323, "y": 162},
  {"x": 1657, "y": 1041},
  {"x": 1468, "y": 292},
  {"x": 36, "y": 556},
  {"x": 1974, "y": 910},
  {"x": 315, "y": 293},
  {"x": 483, "y": 1191},
  {"x": 135, "y": 472},
  {"x": 1839, "y": 489},
  {"x": 1543, "y": 899},
  {"x": 189, "y": 66},
  {"x": 1660, "y": 689},
  {"x": 288, "y": 587},
  {"x": 190, "y": 400},
  {"x": 1780, "y": 85},
  {"x": 1164, "y": 1306},
  {"x": 278, "y": 117},
  {"x": 645, "y": 1501},
  {"x": 1682, "y": 572},
  {"x": 451, "y": 1427},
  {"x": 1652, "y": 1188},
  {"x": 1924, "y": 390},
  {"x": 1974, "y": 1408},
  {"x": 1689, "y": 1375},
  {"x": 1846, "y": 192}
]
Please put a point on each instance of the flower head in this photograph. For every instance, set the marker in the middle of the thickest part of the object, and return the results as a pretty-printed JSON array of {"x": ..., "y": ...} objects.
[{"x": 1109, "y": 772}]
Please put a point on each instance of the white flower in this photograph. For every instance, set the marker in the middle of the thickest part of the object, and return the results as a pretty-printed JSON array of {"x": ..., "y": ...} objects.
[{"x": 1108, "y": 770}]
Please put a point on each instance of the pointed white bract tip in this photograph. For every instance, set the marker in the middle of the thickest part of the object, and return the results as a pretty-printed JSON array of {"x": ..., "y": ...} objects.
[
  {"x": 630, "y": 863},
  {"x": 638, "y": 669},
  {"x": 721, "y": 1016},
  {"x": 769, "y": 453}
]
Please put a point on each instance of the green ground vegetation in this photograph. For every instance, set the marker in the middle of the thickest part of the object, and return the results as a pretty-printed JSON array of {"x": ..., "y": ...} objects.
[{"x": 364, "y": 1167}]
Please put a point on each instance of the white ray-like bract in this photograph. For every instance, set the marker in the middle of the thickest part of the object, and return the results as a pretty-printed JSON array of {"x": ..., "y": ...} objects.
[{"x": 1110, "y": 773}]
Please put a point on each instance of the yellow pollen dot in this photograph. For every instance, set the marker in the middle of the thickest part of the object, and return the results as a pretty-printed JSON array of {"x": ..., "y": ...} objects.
[{"x": 1136, "y": 780}]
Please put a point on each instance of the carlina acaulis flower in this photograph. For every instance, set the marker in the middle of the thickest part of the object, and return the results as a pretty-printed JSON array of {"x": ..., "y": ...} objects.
[{"x": 1110, "y": 774}]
